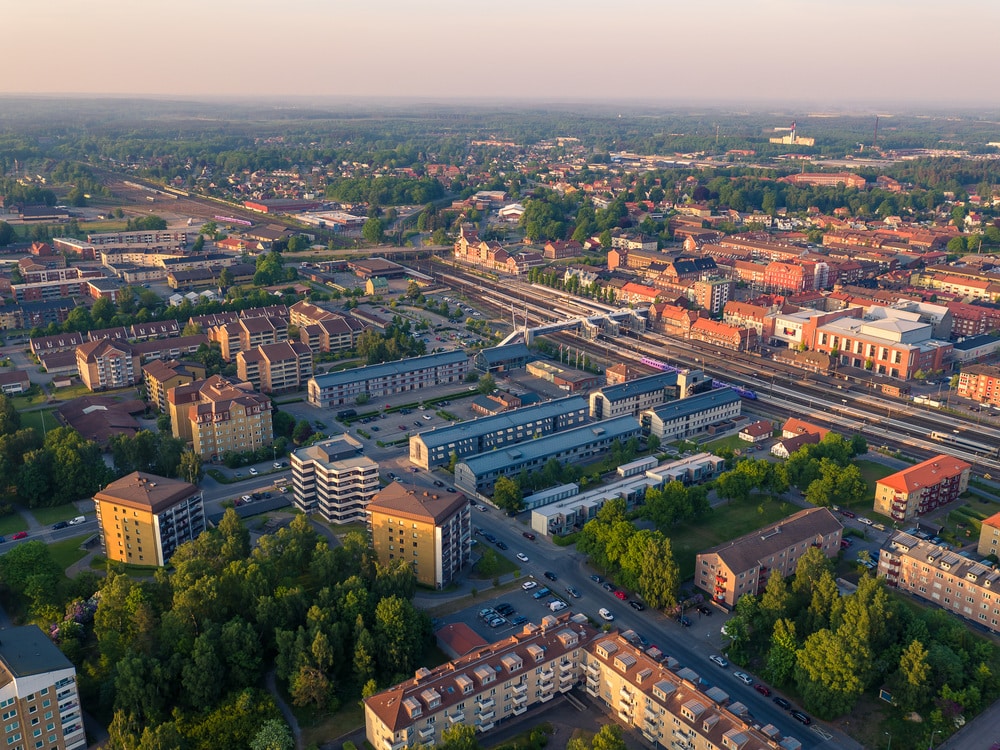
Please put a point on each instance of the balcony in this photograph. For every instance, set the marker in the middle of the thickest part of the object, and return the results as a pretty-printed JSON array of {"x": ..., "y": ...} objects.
[
  {"x": 456, "y": 718},
  {"x": 593, "y": 689},
  {"x": 520, "y": 700},
  {"x": 625, "y": 714},
  {"x": 546, "y": 686},
  {"x": 426, "y": 732},
  {"x": 626, "y": 697},
  {"x": 484, "y": 727},
  {"x": 487, "y": 715},
  {"x": 547, "y": 675},
  {"x": 485, "y": 705},
  {"x": 651, "y": 718},
  {"x": 519, "y": 710},
  {"x": 566, "y": 677},
  {"x": 520, "y": 689},
  {"x": 593, "y": 667}
]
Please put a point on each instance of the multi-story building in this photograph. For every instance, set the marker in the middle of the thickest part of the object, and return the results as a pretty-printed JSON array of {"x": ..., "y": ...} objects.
[
  {"x": 478, "y": 473},
  {"x": 943, "y": 577},
  {"x": 495, "y": 682},
  {"x": 143, "y": 518},
  {"x": 634, "y": 396},
  {"x": 160, "y": 376},
  {"x": 220, "y": 416},
  {"x": 107, "y": 364},
  {"x": 980, "y": 383},
  {"x": 427, "y": 527},
  {"x": 333, "y": 478},
  {"x": 723, "y": 334},
  {"x": 687, "y": 417},
  {"x": 388, "y": 379},
  {"x": 712, "y": 294},
  {"x": 743, "y": 565},
  {"x": 989, "y": 536},
  {"x": 333, "y": 334},
  {"x": 921, "y": 488},
  {"x": 248, "y": 333},
  {"x": 434, "y": 447},
  {"x": 39, "y": 696},
  {"x": 275, "y": 368}
]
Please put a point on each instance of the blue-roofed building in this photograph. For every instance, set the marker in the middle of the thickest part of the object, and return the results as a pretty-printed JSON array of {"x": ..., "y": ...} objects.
[
  {"x": 478, "y": 474},
  {"x": 434, "y": 447},
  {"x": 634, "y": 396},
  {"x": 687, "y": 417},
  {"x": 504, "y": 358},
  {"x": 387, "y": 379}
]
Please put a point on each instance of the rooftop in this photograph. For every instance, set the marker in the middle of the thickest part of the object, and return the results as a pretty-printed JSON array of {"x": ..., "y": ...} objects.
[
  {"x": 417, "y": 503},
  {"x": 148, "y": 492},
  {"x": 26, "y": 651},
  {"x": 925, "y": 474},
  {"x": 371, "y": 372}
]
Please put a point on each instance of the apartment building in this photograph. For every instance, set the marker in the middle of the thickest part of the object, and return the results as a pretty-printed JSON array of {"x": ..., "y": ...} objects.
[
  {"x": 687, "y": 417},
  {"x": 39, "y": 696},
  {"x": 276, "y": 368},
  {"x": 160, "y": 376},
  {"x": 713, "y": 294},
  {"x": 105, "y": 364},
  {"x": 989, "y": 536},
  {"x": 334, "y": 334},
  {"x": 742, "y": 566},
  {"x": 921, "y": 488},
  {"x": 247, "y": 333},
  {"x": 434, "y": 447},
  {"x": 429, "y": 528},
  {"x": 980, "y": 383},
  {"x": 935, "y": 574},
  {"x": 219, "y": 415},
  {"x": 496, "y": 682},
  {"x": 388, "y": 379},
  {"x": 333, "y": 478},
  {"x": 143, "y": 518}
]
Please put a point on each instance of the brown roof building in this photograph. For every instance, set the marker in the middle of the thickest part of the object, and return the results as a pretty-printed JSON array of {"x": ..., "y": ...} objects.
[
  {"x": 219, "y": 416},
  {"x": 97, "y": 418},
  {"x": 275, "y": 368},
  {"x": 743, "y": 565},
  {"x": 160, "y": 376},
  {"x": 107, "y": 364},
  {"x": 143, "y": 518},
  {"x": 921, "y": 488},
  {"x": 424, "y": 526}
]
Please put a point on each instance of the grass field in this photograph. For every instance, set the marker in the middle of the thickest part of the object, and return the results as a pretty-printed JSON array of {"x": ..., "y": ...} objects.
[
  {"x": 732, "y": 442},
  {"x": 33, "y": 398},
  {"x": 12, "y": 524},
  {"x": 67, "y": 551},
  {"x": 71, "y": 391},
  {"x": 871, "y": 472},
  {"x": 49, "y": 516},
  {"x": 725, "y": 522},
  {"x": 132, "y": 571},
  {"x": 42, "y": 420}
]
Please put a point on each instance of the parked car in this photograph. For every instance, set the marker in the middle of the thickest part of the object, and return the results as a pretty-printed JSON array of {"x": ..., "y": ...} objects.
[
  {"x": 276, "y": 464},
  {"x": 557, "y": 605},
  {"x": 621, "y": 595},
  {"x": 849, "y": 514},
  {"x": 542, "y": 592},
  {"x": 487, "y": 614},
  {"x": 550, "y": 575},
  {"x": 719, "y": 660},
  {"x": 519, "y": 620},
  {"x": 496, "y": 622},
  {"x": 529, "y": 585},
  {"x": 799, "y": 716},
  {"x": 743, "y": 677},
  {"x": 60, "y": 525},
  {"x": 20, "y": 535},
  {"x": 503, "y": 609},
  {"x": 608, "y": 586},
  {"x": 704, "y": 609},
  {"x": 684, "y": 621},
  {"x": 762, "y": 689},
  {"x": 528, "y": 535},
  {"x": 573, "y": 592},
  {"x": 595, "y": 579},
  {"x": 253, "y": 472},
  {"x": 438, "y": 483},
  {"x": 501, "y": 545},
  {"x": 522, "y": 557},
  {"x": 605, "y": 614},
  {"x": 481, "y": 508},
  {"x": 781, "y": 702},
  {"x": 449, "y": 489},
  {"x": 637, "y": 606}
]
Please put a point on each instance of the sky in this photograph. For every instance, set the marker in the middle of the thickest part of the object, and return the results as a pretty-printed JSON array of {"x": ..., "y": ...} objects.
[{"x": 821, "y": 52}]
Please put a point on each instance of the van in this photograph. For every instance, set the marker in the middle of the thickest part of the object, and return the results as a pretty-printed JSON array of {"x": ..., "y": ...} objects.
[{"x": 78, "y": 520}]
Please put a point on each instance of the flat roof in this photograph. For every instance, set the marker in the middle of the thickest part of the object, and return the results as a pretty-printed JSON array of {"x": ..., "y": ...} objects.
[
  {"x": 371, "y": 372},
  {"x": 508, "y": 419},
  {"x": 639, "y": 386},
  {"x": 693, "y": 404},
  {"x": 26, "y": 651},
  {"x": 146, "y": 491},
  {"x": 544, "y": 446}
]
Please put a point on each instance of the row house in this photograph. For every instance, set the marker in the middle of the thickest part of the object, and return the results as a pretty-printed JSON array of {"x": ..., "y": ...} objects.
[
  {"x": 967, "y": 289},
  {"x": 671, "y": 319},
  {"x": 796, "y": 276},
  {"x": 922, "y": 488},
  {"x": 637, "y": 293},
  {"x": 747, "y": 315},
  {"x": 276, "y": 368},
  {"x": 59, "y": 342},
  {"x": 980, "y": 383},
  {"x": 560, "y": 250},
  {"x": 221, "y": 318},
  {"x": 743, "y": 565},
  {"x": 762, "y": 249},
  {"x": 936, "y": 574},
  {"x": 723, "y": 334},
  {"x": 972, "y": 320}
]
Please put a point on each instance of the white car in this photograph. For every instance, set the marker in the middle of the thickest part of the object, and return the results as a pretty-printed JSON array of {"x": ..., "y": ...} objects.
[
  {"x": 743, "y": 677},
  {"x": 866, "y": 521},
  {"x": 605, "y": 614},
  {"x": 522, "y": 557},
  {"x": 481, "y": 508},
  {"x": 253, "y": 472},
  {"x": 276, "y": 464},
  {"x": 719, "y": 660},
  {"x": 529, "y": 585}
]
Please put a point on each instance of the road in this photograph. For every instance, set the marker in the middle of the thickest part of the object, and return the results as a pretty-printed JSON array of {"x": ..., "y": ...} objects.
[{"x": 690, "y": 646}]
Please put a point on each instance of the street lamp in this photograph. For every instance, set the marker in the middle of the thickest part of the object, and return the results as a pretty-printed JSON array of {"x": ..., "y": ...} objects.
[
  {"x": 931, "y": 744},
  {"x": 889, "y": 746}
]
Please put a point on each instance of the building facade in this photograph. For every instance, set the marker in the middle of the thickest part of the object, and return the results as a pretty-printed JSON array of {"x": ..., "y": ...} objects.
[
  {"x": 276, "y": 368},
  {"x": 105, "y": 365},
  {"x": 935, "y": 574},
  {"x": 687, "y": 417},
  {"x": 144, "y": 518},
  {"x": 921, "y": 488},
  {"x": 634, "y": 396},
  {"x": 39, "y": 695},
  {"x": 334, "y": 479},
  {"x": 160, "y": 376},
  {"x": 980, "y": 383},
  {"x": 743, "y": 565},
  {"x": 426, "y": 527},
  {"x": 220, "y": 416},
  {"x": 388, "y": 379}
]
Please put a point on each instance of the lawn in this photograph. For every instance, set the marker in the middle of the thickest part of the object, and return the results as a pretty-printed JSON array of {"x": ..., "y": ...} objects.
[
  {"x": 67, "y": 551},
  {"x": 320, "y": 728},
  {"x": 100, "y": 563},
  {"x": 71, "y": 391},
  {"x": 12, "y": 524},
  {"x": 503, "y": 565},
  {"x": 34, "y": 397},
  {"x": 42, "y": 420},
  {"x": 724, "y": 523},
  {"x": 871, "y": 472},
  {"x": 731, "y": 442},
  {"x": 49, "y": 516}
]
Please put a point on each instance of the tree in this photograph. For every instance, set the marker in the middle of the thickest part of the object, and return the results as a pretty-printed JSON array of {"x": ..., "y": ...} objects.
[
  {"x": 507, "y": 495},
  {"x": 273, "y": 735},
  {"x": 396, "y": 634},
  {"x": 303, "y": 431},
  {"x": 10, "y": 418},
  {"x": 310, "y": 686},
  {"x": 781, "y": 656},
  {"x": 373, "y": 231},
  {"x": 7, "y": 234},
  {"x": 190, "y": 467},
  {"x": 828, "y": 673},
  {"x": 459, "y": 737},
  {"x": 225, "y": 277},
  {"x": 912, "y": 685},
  {"x": 486, "y": 384}
]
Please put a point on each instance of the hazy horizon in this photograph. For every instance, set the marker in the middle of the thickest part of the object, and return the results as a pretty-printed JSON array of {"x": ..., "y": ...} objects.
[{"x": 819, "y": 54}]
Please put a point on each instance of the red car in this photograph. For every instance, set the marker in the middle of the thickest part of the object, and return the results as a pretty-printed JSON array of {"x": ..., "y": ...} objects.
[
  {"x": 848, "y": 514},
  {"x": 762, "y": 689},
  {"x": 621, "y": 595},
  {"x": 20, "y": 535}
]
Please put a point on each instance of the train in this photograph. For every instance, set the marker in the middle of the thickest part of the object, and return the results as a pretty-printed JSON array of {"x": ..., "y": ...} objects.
[
  {"x": 234, "y": 220},
  {"x": 963, "y": 442},
  {"x": 664, "y": 367}
]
